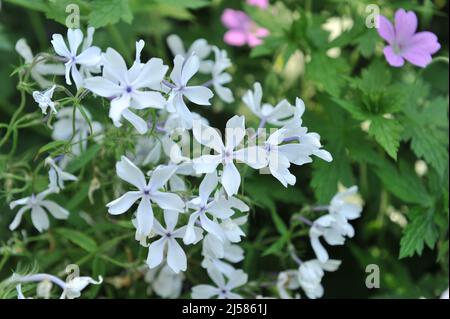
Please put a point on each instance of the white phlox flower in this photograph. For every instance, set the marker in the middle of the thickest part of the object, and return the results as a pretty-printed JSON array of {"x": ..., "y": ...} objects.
[
  {"x": 288, "y": 280},
  {"x": 183, "y": 70},
  {"x": 219, "y": 77},
  {"x": 44, "y": 99},
  {"x": 223, "y": 289},
  {"x": 199, "y": 47},
  {"x": 166, "y": 247},
  {"x": 165, "y": 282},
  {"x": 40, "y": 68},
  {"x": 127, "y": 89},
  {"x": 88, "y": 56},
  {"x": 39, "y": 207},
  {"x": 147, "y": 193},
  {"x": 310, "y": 274},
  {"x": 226, "y": 154},
  {"x": 56, "y": 174}
]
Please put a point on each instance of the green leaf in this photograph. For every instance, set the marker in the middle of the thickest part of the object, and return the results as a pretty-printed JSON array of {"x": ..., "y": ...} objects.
[
  {"x": 421, "y": 230},
  {"x": 387, "y": 133},
  {"x": 78, "y": 238},
  {"x": 277, "y": 246},
  {"x": 191, "y": 4},
  {"x": 80, "y": 161},
  {"x": 404, "y": 184},
  {"x": 107, "y": 12},
  {"x": 327, "y": 74}
]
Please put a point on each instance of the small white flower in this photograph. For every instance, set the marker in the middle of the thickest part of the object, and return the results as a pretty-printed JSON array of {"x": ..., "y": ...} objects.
[
  {"x": 39, "y": 207},
  {"x": 183, "y": 71},
  {"x": 310, "y": 274},
  {"x": 219, "y": 77},
  {"x": 334, "y": 227},
  {"x": 288, "y": 280},
  {"x": 40, "y": 67},
  {"x": 254, "y": 156},
  {"x": 231, "y": 227},
  {"x": 76, "y": 285},
  {"x": 148, "y": 193},
  {"x": 308, "y": 143},
  {"x": 219, "y": 254},
  {"x": 56, "y": 175},
  {"x": 217, "y": 207},
  {"x": 278, "y": 115},
  {"x": 199, "y": 47},
  {"x": 223, "y": 290},
  {"x": 44, "y": 99},
  {"x": 126, "y": 87},
  {"x": 175, "y": 256},
  {"x": 165, "y": 282},
  {"x": 89, "y": 56}
]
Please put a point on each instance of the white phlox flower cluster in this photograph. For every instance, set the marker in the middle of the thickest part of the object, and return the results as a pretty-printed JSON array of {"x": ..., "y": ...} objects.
[{"x": 170, "y": 214}]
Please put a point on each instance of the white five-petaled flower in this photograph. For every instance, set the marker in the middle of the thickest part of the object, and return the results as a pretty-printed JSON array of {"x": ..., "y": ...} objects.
[
  {"x": 218, "y": 254},
  {"x": 175, "y": 256},
  {"x": 218, "y": 207},
  {"x": 288, "y": 280},
  {"x": 278, "y": 115},
  {"x": 164, "y": 281},
  {"x": 148, "y": 193},
  {"x": 219, "y": 77},
  {"x": 310, "y": 274},
  {"x": 37, "y": 203},
  {"x": 308, "y": 143},
  {"x": 226, "y": 154},
  {"x": 44, "y": 99},
  {"x": 199, "y": 47},
  {"x": 56, "y": 175},
  {"x": 183, "y": 70},
  {"x": 77, "y": 284},
  {"x": 128, "y": 88},
  {"x": 88, "y": 57},
  {"x": 334, "y": 227},
  {"x": 40, "y": 67},
  {"x": 223, "y": 290}
]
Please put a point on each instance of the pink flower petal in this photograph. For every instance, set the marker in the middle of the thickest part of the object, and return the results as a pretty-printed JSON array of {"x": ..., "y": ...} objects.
[
  {"x": 405, "y": 25},
  {"x": 253, "y": 41},
  {"x": 392, "y": 58},
  {"x": 235, "y": 37},
  {"x": 263, "y": 4},
  {"x": 424, "y": 41},
  {"x": 386, "y": 29},
  {"x": 417, "y": 57},
  {"x": 262, "y": 32},
  {"x": 234, "y": 19}
]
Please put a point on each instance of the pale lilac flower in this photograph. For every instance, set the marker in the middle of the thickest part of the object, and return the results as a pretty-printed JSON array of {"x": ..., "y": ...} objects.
[
  {"x": 39, "y": 207},
  {"x": 226, "y": 154},
  {"x": 404, "y": 42},
  {"x": 242, "y": 30},
  {"x": 199, "y": 47},
  {"x": 175, "y": 256},
  {"x": 56, "y": 174},
  {"x": 276, "y": 115},
  {"x": 88, "y": 57},
  {"x": 44, "y": 99},
  {"x": 263, "y": 4},
  {"x": 148, "y": 193},
  {"x": 222, "y": 290},
  {"x": 183, "y": 70},
  {"x": 127, "y": 87},
  {"x": 310, "y": 274},
  {"x": 219, "y": 77},
  {"x": 40, "y": 67}
]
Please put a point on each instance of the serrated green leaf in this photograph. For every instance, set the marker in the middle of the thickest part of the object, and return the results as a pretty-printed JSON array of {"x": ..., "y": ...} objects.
[
  {"x": 420, "y": 231},
  {"x": 107, "y": 12},
  {"x": 387, "y": 133}
]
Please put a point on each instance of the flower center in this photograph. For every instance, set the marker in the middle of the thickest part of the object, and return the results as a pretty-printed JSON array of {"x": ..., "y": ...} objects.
[{"x": 129, "y": 89}]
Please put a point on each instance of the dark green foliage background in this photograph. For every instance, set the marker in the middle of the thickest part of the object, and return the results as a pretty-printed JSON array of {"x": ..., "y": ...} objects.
[{"x": 340, "y": 94}]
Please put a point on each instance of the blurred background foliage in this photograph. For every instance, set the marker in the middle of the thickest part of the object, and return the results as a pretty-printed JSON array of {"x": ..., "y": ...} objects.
[{"x": 386, "y": 128}]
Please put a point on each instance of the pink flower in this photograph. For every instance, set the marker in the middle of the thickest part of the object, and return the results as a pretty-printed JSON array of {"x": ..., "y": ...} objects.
[
  {"x": 263, "y": 4},
  {"x": 242, "y": 30},
  {"x": 404, "y": 42}
]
